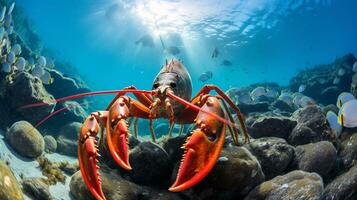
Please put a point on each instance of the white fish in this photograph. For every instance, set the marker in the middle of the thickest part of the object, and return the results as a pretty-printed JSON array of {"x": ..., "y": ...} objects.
[
  {"x": 41, "y": 61},
  {"x": 322, "y": 81},
  {"x": 354, "y": 68},
  {"x": 46, "y": 78},
  {"x": 20, "y": 64},
  {"x": 332, "y": 119},
  {"x": 244, "y": 99},
  {"x": 2, "y": 14},
  {"x": 257, "y": 92},
  {"x": 302, "y": 88},
  {"x": 341, "y": 72},
  {"x": 336, "y": 80},
  {"x": 37, "y": 71},
  {"x": 286, "y": 97},
  {"x": 297, "y": 99},
  {"x": 343, "y": 98},
  {"x": 6, "y": 67},
  {"x": 272, "y": 93},
  {"x": 11, "y": 57},
  {"x": 11, "y": 8},
  {"x": 16, "y": 49},
  {"x": 306, "y": 101},
  {"x": 2, "y": 32},
  {"x": 347, "y": 116},
  {"x": 31, "y": 61},
  {"x": 50, "y": 63}
]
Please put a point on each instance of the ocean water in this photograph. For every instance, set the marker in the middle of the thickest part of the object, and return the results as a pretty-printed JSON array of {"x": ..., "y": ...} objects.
[
  {"x": 289, "y": 65},
  {"x": 264, "y": 40}
]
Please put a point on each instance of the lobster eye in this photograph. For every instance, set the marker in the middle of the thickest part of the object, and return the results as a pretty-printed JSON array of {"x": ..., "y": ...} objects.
[
  {"x": 156, "y": 85},
  {"x": 172, "y": 85}
]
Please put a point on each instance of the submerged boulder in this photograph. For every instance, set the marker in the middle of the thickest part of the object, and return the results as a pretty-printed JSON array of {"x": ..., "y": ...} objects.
[
  {"x": 25, "y": 139},
  {"x": 273, "y": 154},
  {"x": 348, "y": 150},
  {"x": 67, "y": 146},
  {"x": 36, "y": 188},
  {"x": 317, "y": 157},
  {"x": 26, "y": 89},
  {"x": 272, "y": 127},
  {"x": 343, "y": 187},
  {"x": 234, "y": 175},
  {"x": 9, "y": 187},
  {"x": 50, "y": 144},
  {"x": 296, "y": 185}
]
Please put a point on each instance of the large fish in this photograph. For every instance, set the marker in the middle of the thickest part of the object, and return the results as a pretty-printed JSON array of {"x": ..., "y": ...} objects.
[{"x": 206, "y": 76}]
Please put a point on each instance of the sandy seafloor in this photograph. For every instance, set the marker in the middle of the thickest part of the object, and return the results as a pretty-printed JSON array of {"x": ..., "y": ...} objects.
[{"x": 30, "y": 168}]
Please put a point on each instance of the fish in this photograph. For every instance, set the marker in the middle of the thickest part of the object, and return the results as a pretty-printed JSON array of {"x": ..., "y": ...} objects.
[
  {"x": 41, "y": 61},
  {"x": 46, "y": 78},
  {"x": 2, "y": 14},
  {"x": 302, "y": 88},
  {"x": 286, "y": 97},
  {"x": 341, "y": 72},
  {"x": 6, "y": 67},
  {"x": 16, "y": 49},
  {"x": 11, "y": 8},
  {"x": 11, "y": 57},
  {"x": 20, "y": 64},
  {"x": 336, "y": 80},
  {"x": 226, "y": 63},
  {"x": 332, "y": 119},
  {"x": 343, "y": 98},
  {"x": 306, "y": 101},
  {"x": 146, "y": 41},
  {"x": 347, "y": 116},
  {"x": 215, "y": 53},
  {"x": 172, "y": 50},
  {"x": 354, "y": 68},
  {"x": 206, "y": 76},
  {"x": 257, "y": 92},
  {"x": 37, "y": 71}
]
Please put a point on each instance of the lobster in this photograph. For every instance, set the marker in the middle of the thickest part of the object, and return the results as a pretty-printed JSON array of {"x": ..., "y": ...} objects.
[{"x": 169, "y": 98}]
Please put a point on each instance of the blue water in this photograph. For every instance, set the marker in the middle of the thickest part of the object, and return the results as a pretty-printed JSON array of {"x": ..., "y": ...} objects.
[{"x": 265, "y": 40}]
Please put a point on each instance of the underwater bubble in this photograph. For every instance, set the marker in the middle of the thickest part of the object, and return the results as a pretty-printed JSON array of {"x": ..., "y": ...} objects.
[
  {"x": 257, "y": 92},
  {"x": 11, "y": 57},
  {"x": 306, "y": 101},
  {"x": 41, "y": 61},
  {"x": 343, "y": 98},
  {"x": 6, "y": 67},
  {"x": 286, "y": 97},
  {"x": 336, "y": 80},
  {"x": 37, "y": 71},
  {"x": 347, "y": 116},
  {"x": 341, "y": 72},
  {"x": 332, "y": 119},
  {"x": 11, "y": 8},
  {"x": 354, "y": 68},
  {"x": 16, "y": 49},
  {"x": 46, "y": 78},
  {"x": 302, "y": 88},
  {"x": 20, "y": 63},
  {"x": 2, "y": 14}
]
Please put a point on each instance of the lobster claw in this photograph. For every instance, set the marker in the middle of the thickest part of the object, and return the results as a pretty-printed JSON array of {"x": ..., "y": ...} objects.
[
  {"x": 202, "y": 150},
  {"x": 118, "y": 143},
  {"x": 88, "y": 157}
]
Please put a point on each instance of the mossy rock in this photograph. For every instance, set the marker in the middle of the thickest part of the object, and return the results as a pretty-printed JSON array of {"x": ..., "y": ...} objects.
[{"x": 9, "y": 187}]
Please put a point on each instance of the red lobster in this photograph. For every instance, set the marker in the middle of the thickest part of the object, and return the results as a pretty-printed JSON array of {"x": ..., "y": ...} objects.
[{"x": 169, "y": 98}]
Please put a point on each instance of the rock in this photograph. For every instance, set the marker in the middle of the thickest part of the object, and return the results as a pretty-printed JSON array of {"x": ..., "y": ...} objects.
[
  {"x": 223, "y": 183},
  {"x": 69, "y": 168},
  {"x": 50, "y": 144},
  {"x": 36, "y": 188},
  {"x": 330, "y": 107},
  {"x": 114, "y": 187},
  {"x": 150, "y": 164},
  {"x": 283, "y": 106},
  {"x": 312, "y": 126},
  {"x": 296, "y": 185},
  {"x": 254, "y": 107},
  {"x": 66, "y": 146},
  {"x": 9, "y": 187},
  {"x": 25, "y": 139},
  {"x": 348, "y": 151},
  {"x": 343, "y": 187},
  {"x": 25, "y": 90},
  {"x": 317, "y": 157},
  {"x": 272, "y": 127},
  {"x": 64, "y": 86},
  {"x": 173, "y": 147},
  {"x": 273, "y": 154},
  {"x": 71, "y": 130}
]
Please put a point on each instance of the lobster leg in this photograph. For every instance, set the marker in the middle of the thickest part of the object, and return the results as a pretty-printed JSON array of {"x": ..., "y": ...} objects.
[
  {"x": 114, "y": 121},
  {"x": 202, "y": 148}
]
